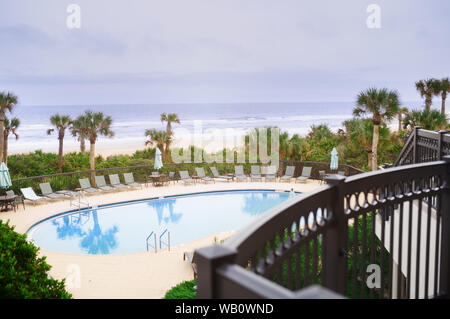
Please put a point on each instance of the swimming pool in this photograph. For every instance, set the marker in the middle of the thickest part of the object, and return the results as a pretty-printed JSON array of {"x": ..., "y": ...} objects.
[{"x": 124, "y": 227}]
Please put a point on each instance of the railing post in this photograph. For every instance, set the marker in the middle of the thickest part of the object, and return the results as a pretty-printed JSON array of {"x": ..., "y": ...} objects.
[
  {"x": 415, "y": 155},
  {"x": 444, "y": 281},
  {"x": 441, "y": 136},
  {"x": 335, "y": 239},
  {"x": 208, "y": 259}
]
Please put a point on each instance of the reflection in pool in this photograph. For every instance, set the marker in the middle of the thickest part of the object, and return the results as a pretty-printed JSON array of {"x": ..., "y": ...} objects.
[{"x": 123, "y": 228}]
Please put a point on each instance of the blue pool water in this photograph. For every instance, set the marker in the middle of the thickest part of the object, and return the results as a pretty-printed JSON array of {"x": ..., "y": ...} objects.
[{"x": 123, "y": 228}]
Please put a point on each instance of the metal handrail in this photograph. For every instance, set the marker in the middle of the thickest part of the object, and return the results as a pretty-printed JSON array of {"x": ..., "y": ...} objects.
[
  {"x": 78, "y": 206},
  {"x": 148, "y": 237},
  {"x": 168, "y": 239}
]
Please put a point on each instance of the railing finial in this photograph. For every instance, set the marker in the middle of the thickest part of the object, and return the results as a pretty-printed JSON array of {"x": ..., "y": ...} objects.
[{"x": 335, "y": 180}]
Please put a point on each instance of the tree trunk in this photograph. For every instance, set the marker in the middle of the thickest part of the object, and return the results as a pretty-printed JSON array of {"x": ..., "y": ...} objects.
[
  {"x": 2, "y": 131},
  {"x": 60, "y": 152},
  {"x": 5, "y": 149},
  {"x": 428, "y": 102},
  {"x": 92, "y": 160},
  {"x": 444, "y": 96},
  {"x": 82, "y": 144},
  {"x": 376, "y": 137},
  {"x": 369, "y": 159}
]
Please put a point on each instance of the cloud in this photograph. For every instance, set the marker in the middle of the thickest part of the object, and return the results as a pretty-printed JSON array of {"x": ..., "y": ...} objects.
[{"x": 219, "y": 49}]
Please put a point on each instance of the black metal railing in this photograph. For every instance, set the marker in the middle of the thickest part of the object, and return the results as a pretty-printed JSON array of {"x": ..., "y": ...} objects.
[
  {"x": 423, "y": 146},
  {"x": 339, "y": 237}
]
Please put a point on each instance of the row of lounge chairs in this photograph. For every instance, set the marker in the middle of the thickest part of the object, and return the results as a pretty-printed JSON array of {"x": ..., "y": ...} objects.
[
  {"x": 85, "y": 186},
  {"x": 255, "y": 174}
]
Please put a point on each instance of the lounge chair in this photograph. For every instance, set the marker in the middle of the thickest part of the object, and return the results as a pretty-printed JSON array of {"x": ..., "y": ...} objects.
[
  {"x": 115, "y": 181},
  {"x": 171, "y": 178},
  {"x": 255, "y": 173},
  {"x": 29, "y": 194},
  {"x": 288, "y": 174},
  {"x": 129, "y": 180},
  {"x": 46, "y": 190},
  {"x": 216, "y": 174},
  {"x": 18, "y": 200},
  {"x": 271, "y": 174},
  {"x": 341, "y": 173},
  {"x": 201, "y": 173},
  {"x": 306, "y": 173},
  {"x": 184, "y": 175},
  {"x": 239, "y": 173},
  {"x": 101, "y": 183},
  {"x": 85, "y": 185}
]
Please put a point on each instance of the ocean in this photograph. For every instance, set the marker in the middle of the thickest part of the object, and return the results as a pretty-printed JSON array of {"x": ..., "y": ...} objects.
[{"x": 131, "y": 121}]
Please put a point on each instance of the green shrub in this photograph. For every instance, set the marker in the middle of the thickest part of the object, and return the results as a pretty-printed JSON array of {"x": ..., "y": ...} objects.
[
  {"x": 185, "y": 290},
  {"x": 22, "y": 274}
]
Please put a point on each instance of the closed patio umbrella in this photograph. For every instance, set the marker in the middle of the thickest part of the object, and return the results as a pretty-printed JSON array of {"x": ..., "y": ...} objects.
[
  {"x": 334, "y": 164},
  {"x": 5, "y": 179},
  {"x": 158, "y": 159}
]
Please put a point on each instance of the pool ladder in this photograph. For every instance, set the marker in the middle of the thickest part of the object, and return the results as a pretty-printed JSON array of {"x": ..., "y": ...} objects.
[
  {"x": 79, "y": 203},
  {"x": 161, "y": 242}
]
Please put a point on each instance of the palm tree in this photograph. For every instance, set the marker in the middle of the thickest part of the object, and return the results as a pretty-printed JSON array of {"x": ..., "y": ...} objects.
[
  {"x": 444, "y": 88},
  {"x": 7, "y": 103},
  {"x": 169, "y": 118},
  {"x": 427, "y": 89},
  {"x": 426, "y": 119},
  {"x": 61, "y": 122},
  {"x": 383, "y": 105},
  {"x": 96, "y": 124},
  {"x": 402, "y": 111},
  {"x": 79, "y": 129},
  {"x": 156, "y": 137},
  {"x": 10, "y": 127}
]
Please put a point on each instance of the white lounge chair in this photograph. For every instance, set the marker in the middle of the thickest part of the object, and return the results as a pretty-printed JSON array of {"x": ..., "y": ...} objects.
[
  {"x": 271, "y": 174},
  {"x": 288, "y": 174},
  {"x": 216, "y": 174},
  {"x": 201, "y": 173},
  {"x": 115, "y": 181},
  {"x": 101, "y": 183},
  {"x": 129, "y": 180},
  {"x": 239, "y": 173},
  {"x": 29, "y": 194},
  {"x": 306, "y": 174},
  {"x": 255, "y": 173},
  {"x": 85, "y": 185}
]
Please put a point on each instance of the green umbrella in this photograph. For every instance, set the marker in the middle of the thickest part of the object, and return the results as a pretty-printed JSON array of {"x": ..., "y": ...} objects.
[
  {"x": 334, "y": 159},
  {"x": 158, "y": 159},
  {"x": 5, "y": 179}
]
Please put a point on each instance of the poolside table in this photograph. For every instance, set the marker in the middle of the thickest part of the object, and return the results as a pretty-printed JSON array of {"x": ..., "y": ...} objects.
[
  {"x": 158, "y": 180},
  {"x": 7, "y": 200}
]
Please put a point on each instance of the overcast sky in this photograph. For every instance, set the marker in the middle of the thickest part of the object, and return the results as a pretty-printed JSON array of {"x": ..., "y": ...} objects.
[{"x": 148, "y": 51}]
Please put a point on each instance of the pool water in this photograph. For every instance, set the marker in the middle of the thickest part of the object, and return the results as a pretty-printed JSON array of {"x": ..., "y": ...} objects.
[{"x": 124, "y": 228}]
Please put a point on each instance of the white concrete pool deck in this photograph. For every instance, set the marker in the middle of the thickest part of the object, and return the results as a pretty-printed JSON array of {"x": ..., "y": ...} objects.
[{"x": 137, "y": 275}]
